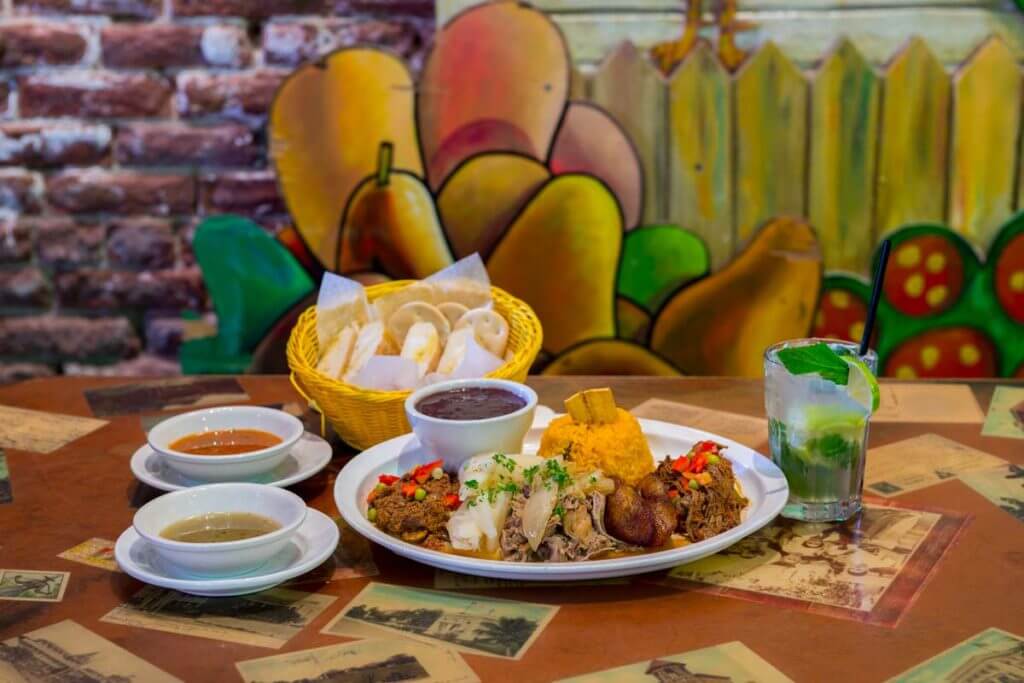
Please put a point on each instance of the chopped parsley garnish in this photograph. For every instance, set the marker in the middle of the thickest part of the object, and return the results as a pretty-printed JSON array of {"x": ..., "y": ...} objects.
[
  {"x": 559, "y": 510},
  {"x": 554, "y": 472},
  {"x": 505, "y": 461},
  {"x": 472, "y": 484},
  {"x": 509, "y": 487},
  {"x": 530, "y": 472}
]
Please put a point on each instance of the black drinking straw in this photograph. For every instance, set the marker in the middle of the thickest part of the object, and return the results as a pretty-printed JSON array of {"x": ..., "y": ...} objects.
[{"x": 876, "y": 292}]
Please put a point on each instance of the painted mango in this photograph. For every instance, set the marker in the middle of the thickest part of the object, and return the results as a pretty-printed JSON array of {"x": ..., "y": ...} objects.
[
  {"x": 482, "y": 197},
  {"x": 326, "y": 125},
  {"x": 495, "y": 80},
  {"x": 561, "y": 255},
  {"x": 391, "y": 221},
  {"x": 721, "y": 325},
  {"x": 609, "y": 357},
  {"x": 657, "y": 260},
  {"x": 590, "y": 141},
  {"x": 634, "y": 322}
]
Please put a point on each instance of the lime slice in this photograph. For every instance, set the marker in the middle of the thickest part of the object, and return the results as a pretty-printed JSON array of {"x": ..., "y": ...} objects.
[{"x": 862, "y": 385}]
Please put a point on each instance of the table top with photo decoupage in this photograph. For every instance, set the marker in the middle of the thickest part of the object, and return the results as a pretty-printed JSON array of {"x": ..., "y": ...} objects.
[{"x": 922, "y": 585}]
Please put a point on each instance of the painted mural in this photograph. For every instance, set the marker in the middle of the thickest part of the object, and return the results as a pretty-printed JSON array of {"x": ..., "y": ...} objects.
[{"x": 650, "y": 234}]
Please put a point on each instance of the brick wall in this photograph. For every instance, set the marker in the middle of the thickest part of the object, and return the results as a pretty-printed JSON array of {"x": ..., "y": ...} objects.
[{"x": 122, "y": 123}]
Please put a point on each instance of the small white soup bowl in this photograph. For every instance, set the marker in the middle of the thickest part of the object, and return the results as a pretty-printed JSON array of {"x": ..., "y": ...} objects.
[
  {"x": 455, "y": 441},
  {"x": 226, "y": 467},
  {"x": 208, "y": 560}
]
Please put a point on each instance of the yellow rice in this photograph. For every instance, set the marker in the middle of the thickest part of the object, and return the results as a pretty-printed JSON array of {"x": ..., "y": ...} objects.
[{"x": 619, "y": 449}]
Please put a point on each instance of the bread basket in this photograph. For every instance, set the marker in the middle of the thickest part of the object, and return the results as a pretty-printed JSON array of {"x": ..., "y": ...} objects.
[{"x": 365, "y": 417}]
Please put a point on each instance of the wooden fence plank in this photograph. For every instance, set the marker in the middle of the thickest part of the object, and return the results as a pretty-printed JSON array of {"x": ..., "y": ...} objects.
[
  {"x": 914, "y": 150},
  {"x": 700, "y": 167},
  {"x": 844, "y": 132},
  {"x": 986, "y": 122},
  {"x": 629, "y": 87},
  {"x": 804, "y": 37},
  {"x": 770, "y": 105}
]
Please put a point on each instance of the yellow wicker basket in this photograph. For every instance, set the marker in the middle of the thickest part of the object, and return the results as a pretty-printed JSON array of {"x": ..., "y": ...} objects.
[{"x": 364, "y": 417}]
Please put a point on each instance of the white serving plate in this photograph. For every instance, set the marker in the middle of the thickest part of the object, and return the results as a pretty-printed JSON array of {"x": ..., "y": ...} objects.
[
  {"x": 315, "y": 541},
  {"x": 763, "y": 484},
  {"x": 309, "y": 455}
]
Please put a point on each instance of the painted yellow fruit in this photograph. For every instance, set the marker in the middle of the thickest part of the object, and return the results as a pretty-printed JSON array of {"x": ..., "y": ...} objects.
[
  {"x": 722, "y": 324},
  {"x": 326, "y": 125},
  {"x": 561, "y": 256},
  {"x": 634, "y": 322},
  {"x": 609, "y": 357},
  {"x": 391, "y": 223},
  {"x": 482, "y": 197}
]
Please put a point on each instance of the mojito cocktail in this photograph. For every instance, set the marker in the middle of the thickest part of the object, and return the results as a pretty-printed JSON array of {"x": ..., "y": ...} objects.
[{"x": 819, "y": 396}]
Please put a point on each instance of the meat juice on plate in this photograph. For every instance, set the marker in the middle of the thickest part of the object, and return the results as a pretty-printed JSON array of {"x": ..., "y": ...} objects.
[{"x": 818, "y": 416}]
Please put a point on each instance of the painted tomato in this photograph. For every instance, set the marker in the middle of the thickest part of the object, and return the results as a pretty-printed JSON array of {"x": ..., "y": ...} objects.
[
  {"x": 841, "y": 315},
  {"x": 925, "y": 276},
  {"x": 947, "y": 352},
  {"x": 1009, "y": 279}
]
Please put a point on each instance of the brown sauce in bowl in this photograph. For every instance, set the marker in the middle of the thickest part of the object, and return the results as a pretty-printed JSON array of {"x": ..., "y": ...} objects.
[
  {"x": 225, "y": 442},
  {"x": 470, "y": 403}
]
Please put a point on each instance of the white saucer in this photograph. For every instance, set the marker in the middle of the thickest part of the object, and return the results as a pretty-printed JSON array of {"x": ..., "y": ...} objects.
[
  {"x": 310, "y": 455},
  {"x": 313, "y": 543}
]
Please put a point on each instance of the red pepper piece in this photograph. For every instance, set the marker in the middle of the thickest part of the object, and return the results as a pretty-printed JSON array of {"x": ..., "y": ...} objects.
[
  {"x": 699, "y": 463},
  {"x": 451, "y": 501},
  {"x": 372, "y": 495},
  {"x": 673, "y": 494},
  {"x": 409, "y": 489},
  {"x": 681, "y": 463},
  {"x": 387, "y": 479},
  {"x": 422, "y": 473}
]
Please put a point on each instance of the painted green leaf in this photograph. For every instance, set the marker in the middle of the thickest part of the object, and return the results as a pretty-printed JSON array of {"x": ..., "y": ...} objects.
[
  {"x": 657, "y": 260},
  {"x": 251, "y": 277}
]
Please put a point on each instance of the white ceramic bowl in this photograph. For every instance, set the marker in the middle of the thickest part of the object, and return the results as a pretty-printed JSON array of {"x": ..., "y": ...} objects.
[
  {"x": 454, "y": 441},
  {"x": 226, "y": 467},
  {"x": 230, "y": 558}
]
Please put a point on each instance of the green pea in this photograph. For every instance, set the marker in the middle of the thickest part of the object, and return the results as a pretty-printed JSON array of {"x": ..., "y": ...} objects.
[
  {"x": 382, "y": 487},
  {"x": 420, "y": 494},
  {"x": 371, "y": 514},
  {"x": 714, "y": 459},
  {"x": 694, "y": 485}
]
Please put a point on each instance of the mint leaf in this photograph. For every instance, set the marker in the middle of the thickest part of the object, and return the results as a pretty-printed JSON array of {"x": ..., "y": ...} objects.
[{"x": 815, "y": 359}]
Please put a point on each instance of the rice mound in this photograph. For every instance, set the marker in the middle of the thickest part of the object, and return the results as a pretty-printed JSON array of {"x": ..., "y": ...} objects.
[{"x": 619, "y": 449}]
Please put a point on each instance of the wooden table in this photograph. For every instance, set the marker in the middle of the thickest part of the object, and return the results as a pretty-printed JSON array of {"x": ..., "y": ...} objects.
[{"x": 86, "y": 490}]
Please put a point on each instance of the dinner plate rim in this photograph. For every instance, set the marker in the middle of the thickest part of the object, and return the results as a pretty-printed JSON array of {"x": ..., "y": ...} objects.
[
  {"x": 316, "y": 522},
  {"x": 375, "y": 459},
  {"x": 319, "y": 454}
]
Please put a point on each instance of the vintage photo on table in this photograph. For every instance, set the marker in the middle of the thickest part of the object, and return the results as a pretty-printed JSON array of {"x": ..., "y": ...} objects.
[
  {"x": 364, "y": 660},
  {"x": 96, "y": 552},
  {"x": 67, "y": 651},
  {"x": 41, "y": 432},
  {"x": 33, "y": 586},
  {"x": 179, "y": 393},
  {"x": 869, "y": 568},
  {"x": 744, "y": 429},
  {"x": 6, "y": 492},
  {"x": 267, "y": 619},
  {"x": 1002, "y": 485},
  {"x": 992, "y": 655},
  {"x": 932, "y": 402},
  {"x": 726, "y": 662},
  {"x": 919, "y": 462},
  {"x": 1005, "y": 413},
  {"x": 476, "y": 624}
]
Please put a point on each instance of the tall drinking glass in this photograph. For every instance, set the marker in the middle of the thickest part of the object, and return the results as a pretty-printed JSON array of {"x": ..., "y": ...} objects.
[{"x": 818, "y": 435}]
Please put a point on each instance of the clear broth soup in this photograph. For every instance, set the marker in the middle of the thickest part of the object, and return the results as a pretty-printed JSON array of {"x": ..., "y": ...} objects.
[{"x": 219, "y": 527}]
